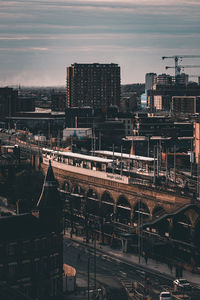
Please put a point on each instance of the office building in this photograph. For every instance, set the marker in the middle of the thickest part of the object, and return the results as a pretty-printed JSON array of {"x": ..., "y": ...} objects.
[
  {"x": 150, "y": 80},
  {"x": 95, "y": 85},
  {"x": 8, "y": 98},
  {"x": 162, "y": 102},
  {"x": 186, "y": 104}
]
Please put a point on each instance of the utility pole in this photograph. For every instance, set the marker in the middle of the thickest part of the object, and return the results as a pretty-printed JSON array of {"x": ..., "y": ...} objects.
[
  {"x": 95, "y": 248},
  {"x": 166, "y": 166},
  {"x": 99, "y": 140},
  {"x": 139, "y": 241},
  {"x": 157, "y": 160},
  {"x": 191, "y": 156},
  {"x": 121, "y": 162},
  {"x": 148, "y": 146},
  {"x": 94, "y": 143},
  {"x": 154, "y": 165},
  {"x": 89, "y": 277},
  {"x": 113, "y": 158},
  {"x": 174, "y": 163},
  {"x": 129, "y": 163}
]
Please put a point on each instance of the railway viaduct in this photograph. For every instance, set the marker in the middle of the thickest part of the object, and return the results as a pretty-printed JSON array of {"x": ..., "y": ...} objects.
[{"x": 124, "y": 201}]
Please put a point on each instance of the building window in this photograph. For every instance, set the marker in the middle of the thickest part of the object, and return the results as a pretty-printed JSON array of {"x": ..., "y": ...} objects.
[
  {"x": 1, "y": 272},
  {"x": 1, "y": 251},
  {"x": 37, "y": 244},
  {"x": 12, "y": 269},
  {"x": 37, "y": 265},
  {"x": 43, "y": 243},
  {"x": 11, "y": 249},
  {"x": 27, "y": 289},
  {"x": 26, "y": 267},
  {"x": 25, "y": 247}
]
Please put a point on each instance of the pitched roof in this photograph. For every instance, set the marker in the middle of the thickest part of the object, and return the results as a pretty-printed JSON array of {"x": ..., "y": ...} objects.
[{"x": 49, "y": 196}]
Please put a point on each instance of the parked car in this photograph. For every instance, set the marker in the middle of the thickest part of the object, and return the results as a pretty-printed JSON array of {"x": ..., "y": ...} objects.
[
  {"x": 165, "y": 296},
  {"x": 141, "y": 170},
  {"x": 182, "y": 284}
]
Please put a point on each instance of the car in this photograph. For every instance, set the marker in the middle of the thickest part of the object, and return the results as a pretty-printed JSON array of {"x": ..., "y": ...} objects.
[
  {"x": 182, "y": 284},
  {"x": 165, "y": 296}
]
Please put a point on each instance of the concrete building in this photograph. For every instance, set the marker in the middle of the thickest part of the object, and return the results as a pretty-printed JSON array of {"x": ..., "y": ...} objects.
[
  {"x": 182, "y": 79},
  {"x": 58, "y": 101},
  {"x": 150, "y": 80},
  {"x": 186, "y": 104},
  {"x": 163, "y": 79},
  {"x": 162, "y": 102},
  {"x": 169, "y": 87},
  {"x": 128, "y": 122},
  {"x": 8, "y": 98},
  {"x": 95, "y": 85},
  {"x": 129, "y": 104},
  {"x": 44, "y": 121},
  {"x": 151, "y": 125}
]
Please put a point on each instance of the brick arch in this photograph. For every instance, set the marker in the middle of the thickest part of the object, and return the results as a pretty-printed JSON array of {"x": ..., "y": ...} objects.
[
  {"x": 123, "y": 209},
  {"x": 75, "y": 189},
  {"x": 158, "y": 210},
  {"x": 92, "y": 192},
  {"x": 82, "y": 190},
  {"x": 123, "y": 199},
  {"x": 193, "y": 214},
  {"x": 92, "y": 201},
  {"x": 143, "y": 207},
  {"x": 107, "y": 205},
  {"x": 107, "y": 196}
]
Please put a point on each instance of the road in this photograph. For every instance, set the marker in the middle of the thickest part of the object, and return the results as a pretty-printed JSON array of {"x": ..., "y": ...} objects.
[
  {"x": 106, "y": 270},
  {"x": 110, "y": 272}
]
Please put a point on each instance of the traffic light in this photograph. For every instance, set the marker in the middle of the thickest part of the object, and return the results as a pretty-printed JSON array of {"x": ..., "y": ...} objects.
[{"x": 147, "y": 282}]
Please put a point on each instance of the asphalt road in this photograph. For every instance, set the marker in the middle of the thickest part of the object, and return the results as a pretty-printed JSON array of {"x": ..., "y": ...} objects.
[
  {"x": 110, "y": 272},
  {"x": 106, "y": 271}
]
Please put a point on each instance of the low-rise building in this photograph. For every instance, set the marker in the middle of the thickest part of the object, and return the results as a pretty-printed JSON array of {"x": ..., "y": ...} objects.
[{"x": 77, "y": 132}]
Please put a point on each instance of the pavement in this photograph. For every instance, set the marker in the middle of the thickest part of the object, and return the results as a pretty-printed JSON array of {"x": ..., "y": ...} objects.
[{"x": 132, "y": 259}]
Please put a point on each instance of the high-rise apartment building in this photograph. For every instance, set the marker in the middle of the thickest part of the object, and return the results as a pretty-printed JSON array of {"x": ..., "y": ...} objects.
[{"x": 95, "y": 85}]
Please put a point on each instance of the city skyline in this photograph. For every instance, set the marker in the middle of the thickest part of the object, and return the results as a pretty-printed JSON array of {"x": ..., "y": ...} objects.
[{"x": 39, "y": 39}]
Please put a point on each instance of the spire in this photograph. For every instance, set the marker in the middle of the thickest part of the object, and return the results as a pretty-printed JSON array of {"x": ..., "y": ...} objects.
[
  {"x": 49, "y": 196},
  {"x": 49, "y": 178},
  {"x": 49, "y": 203}
]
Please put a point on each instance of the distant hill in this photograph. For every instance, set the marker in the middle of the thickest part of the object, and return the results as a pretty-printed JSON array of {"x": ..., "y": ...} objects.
[{"x": 128, "y": 89}]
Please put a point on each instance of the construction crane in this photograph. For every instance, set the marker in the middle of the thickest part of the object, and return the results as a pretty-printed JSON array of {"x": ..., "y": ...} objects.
[
  {"x": 178, "y": 58},
  {"x": 179, "y": 68}
]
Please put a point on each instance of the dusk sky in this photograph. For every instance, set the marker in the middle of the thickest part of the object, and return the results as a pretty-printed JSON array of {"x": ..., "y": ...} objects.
[{"x": 39, "y": 39}]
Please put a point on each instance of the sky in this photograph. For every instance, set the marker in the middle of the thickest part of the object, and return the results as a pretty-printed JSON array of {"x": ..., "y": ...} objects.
[{"x": 39, "y": 39}]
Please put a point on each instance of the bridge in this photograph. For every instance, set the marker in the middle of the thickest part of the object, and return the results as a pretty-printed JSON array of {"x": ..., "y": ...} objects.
[{"x": 167, "y": 212}]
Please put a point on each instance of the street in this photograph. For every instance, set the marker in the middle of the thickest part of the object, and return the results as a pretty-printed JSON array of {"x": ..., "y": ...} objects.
[{"x": 110, "y": 271}]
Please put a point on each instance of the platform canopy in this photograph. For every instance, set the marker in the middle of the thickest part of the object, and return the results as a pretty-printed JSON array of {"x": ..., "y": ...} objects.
[
  {"x": 125, "y": 155},
  {"x": 79, "y": 156}
]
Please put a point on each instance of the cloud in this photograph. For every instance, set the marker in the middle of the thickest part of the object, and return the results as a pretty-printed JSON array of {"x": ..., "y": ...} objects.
[
  {"x": 24, "y": 49},
  {"x": 47, "y": 35}
]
